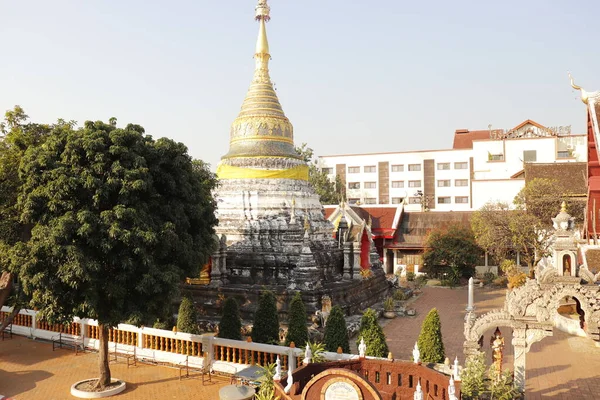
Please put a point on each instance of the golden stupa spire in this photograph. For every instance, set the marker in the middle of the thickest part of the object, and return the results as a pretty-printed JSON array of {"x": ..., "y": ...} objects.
[{"x": 261, "y": 129}]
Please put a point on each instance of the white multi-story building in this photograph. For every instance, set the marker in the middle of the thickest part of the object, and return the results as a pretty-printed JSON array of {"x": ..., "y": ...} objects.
[{"x": 482, "y": 166}]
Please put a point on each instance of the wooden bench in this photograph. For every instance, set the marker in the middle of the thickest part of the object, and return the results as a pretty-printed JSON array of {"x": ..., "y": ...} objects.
[
  {"x": 70, "y": 342},
  {"x": 7, "y": 331},
  {"x": 187, "y": 366}
]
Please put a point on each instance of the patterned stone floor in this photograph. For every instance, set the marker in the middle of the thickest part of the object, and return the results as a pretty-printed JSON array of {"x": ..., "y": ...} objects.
[
  {"x": 558, "y": 367},
  {"x": 30, "y": 370}
]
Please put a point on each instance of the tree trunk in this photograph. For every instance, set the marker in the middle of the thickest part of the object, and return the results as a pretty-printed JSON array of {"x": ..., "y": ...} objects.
[
  {"x": 10, "y": 318},
  {"x": 103, "y": 357},
  {"x": 6, "y": 281}
]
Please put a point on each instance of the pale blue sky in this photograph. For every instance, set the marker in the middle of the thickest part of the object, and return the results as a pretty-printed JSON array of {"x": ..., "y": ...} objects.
[{"x": 353, "y": 76}]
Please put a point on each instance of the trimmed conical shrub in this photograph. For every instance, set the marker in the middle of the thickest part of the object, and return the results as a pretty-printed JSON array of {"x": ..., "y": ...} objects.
[
  {"x": 297, "y": 329},
  {"x": 372, "y": 333},
  {"x": 231, "y": 324},
  {"x": 266, "y": 320},
  {"x": 336, "y": 332},
  {"x": 187, "y": 317},
  {"x": 430, "y": 341}
]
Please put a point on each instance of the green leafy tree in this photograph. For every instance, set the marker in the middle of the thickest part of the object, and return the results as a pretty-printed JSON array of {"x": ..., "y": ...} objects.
[
  {"x": 231, "y": 324},
  {"x": 329, "y": 192},
  {"x": 430, "y": 340},
  {"x": 187, "y": 317},
  {"x": 473, "y": 377},
  {"x": 527, "y": 226},
  {"x": 455, "y": 248},
  {"x": 297, "y": 329},
  {"x": 18, "y": 135},
  {"x": 266, "y": 320},
  {"x": 118, "y": 221},
  {"x": 373, "y": 335},
  {"x": 501, "y": 386},
  {"x": 336, "y": 332}
]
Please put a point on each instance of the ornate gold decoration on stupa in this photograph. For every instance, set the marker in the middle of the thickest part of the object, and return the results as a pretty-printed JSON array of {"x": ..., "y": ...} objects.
[{"x": 261, "y": 129}]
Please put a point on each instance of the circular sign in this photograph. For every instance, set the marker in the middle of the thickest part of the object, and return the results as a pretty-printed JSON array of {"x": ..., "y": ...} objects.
[{"x": 341, "y": 391}]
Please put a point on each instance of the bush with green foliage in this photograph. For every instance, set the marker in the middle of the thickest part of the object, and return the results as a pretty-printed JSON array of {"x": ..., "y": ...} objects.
[
  {"x": 401, "y": 295},
  {"x": 488, "y": 277},
  {"x": 501, "y": 386},
  {"x": 317, "y": 351},
  {"x": 410, "y": 276},
  {"x": 473, "y": 377},
  {"x": 267, "y": 387},
  {"x": 372, "y": 333},
  {"x": 266, "y": 320},
  {"x": 187, "y": 318},
  {"x": 231, "y": 324},
  {"x": 336, "y": 332},
  {"x": 297, "y": 329},
  {"x": 430, "y": 339}
]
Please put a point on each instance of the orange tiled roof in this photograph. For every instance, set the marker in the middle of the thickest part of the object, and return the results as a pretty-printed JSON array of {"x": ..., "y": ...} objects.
[{"x": 463, "y": 138}]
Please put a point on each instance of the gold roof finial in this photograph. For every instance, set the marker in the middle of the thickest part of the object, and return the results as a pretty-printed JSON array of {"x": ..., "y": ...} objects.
[
  {"x": 306, "y": 223},
  {"x": 563, "y": 207},
  {"x": 263, "y": 14},
  {"x": 584, "y": 94}
]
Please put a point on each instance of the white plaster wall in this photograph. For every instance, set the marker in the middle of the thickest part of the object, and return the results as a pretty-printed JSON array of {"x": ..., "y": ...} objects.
[{"x": 495, "y": 190}]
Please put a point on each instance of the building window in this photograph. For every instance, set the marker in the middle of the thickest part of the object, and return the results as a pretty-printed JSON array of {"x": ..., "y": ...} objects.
[
  {"x": 414, "y": 184},
  {"x": 328, "y": 171},
  {"x": 443, "y": 166},
  {"x": 370, "y": 168},
  {"x": 370, "y": 200},
  {"x": 398, "y": 168},
  {"x": 529, "y": 155},
  {"x": 444, "y": 183},
  {"x": 370, "y": 185},
  {"x": 389, "y": 378},
  {"x": 397, "y": 184},
  {"x": 461, "y": 165},
  {"x": 353, "y": 170},
  {"x": 414, "y": 200},
  {"x": 397, "y": 200},
  {"x": 414, "y": 167},
  {"x": 353, "y": 185},
  {"x": 376, "y": 376},
  {"x": 495, "y": 157},
  {"x": 353, "y": 201},
  {"x": 564, "y": 154},
  {"x": 461, "y": 200},
  {"x": 444, "y": 200},
  {"x": 461, "y": 182}
]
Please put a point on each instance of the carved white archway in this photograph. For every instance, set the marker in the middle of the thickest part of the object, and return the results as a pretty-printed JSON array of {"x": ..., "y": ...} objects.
[{"x": 530, "y": 311}]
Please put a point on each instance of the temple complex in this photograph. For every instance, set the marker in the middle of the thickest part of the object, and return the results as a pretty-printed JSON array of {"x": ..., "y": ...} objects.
[{"x": 272, "y": 227}]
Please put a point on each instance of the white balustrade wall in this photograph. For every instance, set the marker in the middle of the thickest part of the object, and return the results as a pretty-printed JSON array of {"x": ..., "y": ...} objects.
[{"x": 162, "y": 346}]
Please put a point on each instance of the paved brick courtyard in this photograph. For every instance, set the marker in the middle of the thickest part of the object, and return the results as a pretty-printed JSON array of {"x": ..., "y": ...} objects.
[
  {"x": 30, "y": 370},
  {"x": 559, "y": 367}
]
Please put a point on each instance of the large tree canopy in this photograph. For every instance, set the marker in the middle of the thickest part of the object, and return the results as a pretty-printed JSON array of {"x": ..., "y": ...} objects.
[
  {"x": 118, "y": 220},
  {"x": 329, "y": 192},
  {"x": 454, "y": 248},
  {"x": 525, "y": 227},
  {"x": 18, "y": 136}
]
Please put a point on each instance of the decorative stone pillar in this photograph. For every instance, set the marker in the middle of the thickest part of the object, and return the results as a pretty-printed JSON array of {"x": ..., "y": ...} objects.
[
  {"x": 208, "y": 350},
  {"x": 348, "y": 260},
  {"x": 215, "y": 270},
  {"x": 223, "y": 260},
  {"x": 519, "y": 343},
  {"x": 291, "y": 359},
  {"x": 356, "y": 262}
]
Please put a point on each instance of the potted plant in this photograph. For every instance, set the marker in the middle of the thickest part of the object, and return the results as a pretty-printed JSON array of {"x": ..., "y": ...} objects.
[{"x": 388, "y": 307}]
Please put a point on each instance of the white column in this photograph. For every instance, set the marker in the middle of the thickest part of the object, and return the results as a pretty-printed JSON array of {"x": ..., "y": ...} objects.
[
  {"x": 140, "y": 338},
  {"x": 33, "y": 324},
  {"x": 470, "y": 306}
]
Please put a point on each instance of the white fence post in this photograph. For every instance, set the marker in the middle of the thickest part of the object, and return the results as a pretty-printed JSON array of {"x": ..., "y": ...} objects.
[
  {"x": 140, "y": 339},
  {"x": 33, "y": 324},
  {"x": 208, "y": 349}
]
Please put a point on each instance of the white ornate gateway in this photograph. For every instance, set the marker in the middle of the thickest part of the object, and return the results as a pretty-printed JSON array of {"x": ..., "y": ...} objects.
[{"x": 532, "y": 309}]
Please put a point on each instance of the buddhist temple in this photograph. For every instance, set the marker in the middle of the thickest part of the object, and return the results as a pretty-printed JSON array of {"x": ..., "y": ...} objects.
[{"x": 272, "y": 227}]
